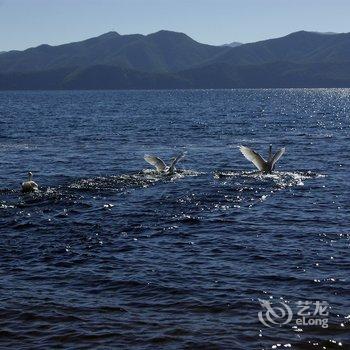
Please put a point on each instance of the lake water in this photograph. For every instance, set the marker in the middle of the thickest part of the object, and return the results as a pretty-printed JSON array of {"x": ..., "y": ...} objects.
[{"x": 109, "y": 255}]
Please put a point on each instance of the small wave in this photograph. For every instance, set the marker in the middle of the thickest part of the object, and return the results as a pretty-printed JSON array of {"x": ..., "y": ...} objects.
[
  {"x": 188, "y": 219},
  {"x": 279, "y": 178},
  {"x": 178, "y": 174},
  {"x": 5, "y": 191},
  {"x": 110, "y": 182},
  {"x": 121, "y": 182},
  {"x": 15, "y": 146},
  {"x": 5, "y": 206}
]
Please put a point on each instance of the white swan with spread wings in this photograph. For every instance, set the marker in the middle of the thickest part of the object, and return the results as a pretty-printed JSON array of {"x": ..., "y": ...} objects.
[
  {"x": 265, "y": 166},
  {"x": 161, "y": 167}
]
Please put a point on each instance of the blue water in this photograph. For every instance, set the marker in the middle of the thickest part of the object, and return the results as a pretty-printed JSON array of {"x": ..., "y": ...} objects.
[{"x": 110, "y": 255}]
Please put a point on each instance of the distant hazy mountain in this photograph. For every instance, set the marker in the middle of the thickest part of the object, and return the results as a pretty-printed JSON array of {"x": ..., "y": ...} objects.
[
  {"x": 163, "y": 51},
  {"x": 173, "y": 60},
  {"x": 301, "y": 47},
  {"x": 233, "y": 44},
  {"x": 327, "y": 33}
]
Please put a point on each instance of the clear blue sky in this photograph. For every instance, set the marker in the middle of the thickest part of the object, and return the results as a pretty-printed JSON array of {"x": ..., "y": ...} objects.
[{"x": 27, "y": 23}]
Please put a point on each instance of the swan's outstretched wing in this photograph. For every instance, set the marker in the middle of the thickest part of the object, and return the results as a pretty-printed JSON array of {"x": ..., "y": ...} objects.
[
  {"x": 277, "y": 156},
  {"x": 176, "y": 160},
  {"x": 155, "y": 161},
  {"x": 254, "y": 157}
]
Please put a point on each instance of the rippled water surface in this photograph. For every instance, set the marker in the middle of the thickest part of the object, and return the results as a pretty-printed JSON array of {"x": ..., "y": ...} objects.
[{"x": 110, "y": 255}]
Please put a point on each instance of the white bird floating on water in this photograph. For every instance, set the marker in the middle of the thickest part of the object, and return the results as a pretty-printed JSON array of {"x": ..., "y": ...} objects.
[
  {"x": 264, "y": 166},
  {"x": 30, "y": 185},
  {"x": 161, "y": 167}
]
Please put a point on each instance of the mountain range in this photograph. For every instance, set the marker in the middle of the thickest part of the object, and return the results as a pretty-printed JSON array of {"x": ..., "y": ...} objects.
[
  {"x": 171, "y": 60},
  {"x": 233, "y": 44}
]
